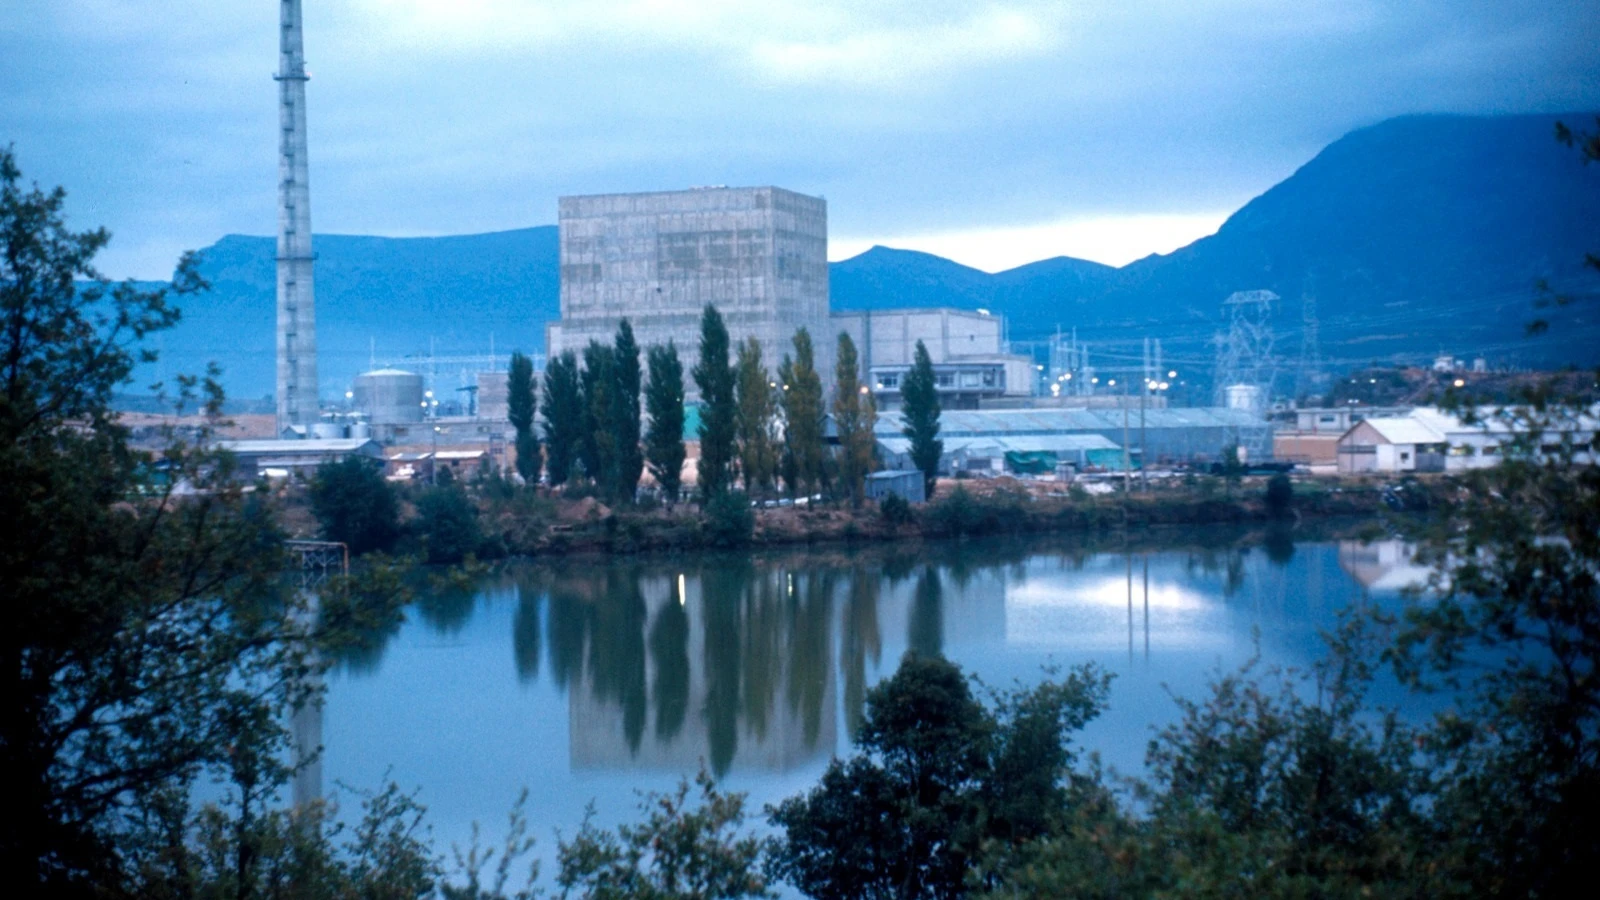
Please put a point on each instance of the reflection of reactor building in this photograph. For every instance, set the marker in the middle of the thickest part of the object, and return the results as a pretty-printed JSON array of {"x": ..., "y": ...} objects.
[
  {"x": 734, "y": 682},
  {"x": 760, "y": 255}
]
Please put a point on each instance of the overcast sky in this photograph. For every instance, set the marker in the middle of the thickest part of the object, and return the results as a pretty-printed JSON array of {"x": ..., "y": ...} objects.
[{"x": 992, "y": 133}]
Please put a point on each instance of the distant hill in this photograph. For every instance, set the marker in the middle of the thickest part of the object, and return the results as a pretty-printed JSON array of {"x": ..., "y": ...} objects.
[
  {"x": 1415, "y": 235},
  {"x": 391, "y": 296}
]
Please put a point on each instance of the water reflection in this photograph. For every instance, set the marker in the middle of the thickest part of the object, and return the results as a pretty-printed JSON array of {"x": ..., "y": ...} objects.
[{"x": 762, "y": 664}]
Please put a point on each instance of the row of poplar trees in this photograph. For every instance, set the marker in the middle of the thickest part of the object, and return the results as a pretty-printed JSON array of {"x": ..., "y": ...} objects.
[{"x": 756, "y": 428}]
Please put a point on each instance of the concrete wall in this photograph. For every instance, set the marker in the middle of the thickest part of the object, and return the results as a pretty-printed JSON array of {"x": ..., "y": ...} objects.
[
  {"x": 889, "y": 337},
  {"x": 494, "y": 394},
  {"x": 967, "y": 350},
  {"x": 760, "y": 255}
]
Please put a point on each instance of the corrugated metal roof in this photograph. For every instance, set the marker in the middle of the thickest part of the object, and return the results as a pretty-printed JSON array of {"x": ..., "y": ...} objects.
[
  {"x": 995, "y": 446},
  {"x": 312, "y": 445},
  {"x": 1014, "y": 422},
  {"x": 1405, "y": 430}
]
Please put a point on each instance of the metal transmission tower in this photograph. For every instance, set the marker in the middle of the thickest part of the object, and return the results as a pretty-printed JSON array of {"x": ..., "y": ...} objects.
[
  {"x": 297, "y": 323},
  {"x": 1246, "y": 365}
]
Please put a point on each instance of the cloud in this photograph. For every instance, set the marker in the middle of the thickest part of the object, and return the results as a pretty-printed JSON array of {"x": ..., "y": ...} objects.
[
  {"x": 979, "y": 126},
  {"x": 881, "y": 44},
  {"x": 1115, "y": 240}
]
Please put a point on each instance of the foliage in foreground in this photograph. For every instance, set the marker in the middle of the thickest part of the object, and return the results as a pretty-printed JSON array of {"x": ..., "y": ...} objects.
[
  {"x": 939, "y": 781},
  {"x": 679, "y": 851}
]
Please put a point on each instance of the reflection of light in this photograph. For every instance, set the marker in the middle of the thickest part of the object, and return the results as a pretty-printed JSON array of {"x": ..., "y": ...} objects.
[
  {"x": 1093, "y": 612},
  {"x": 681, "y": 595},
  {"x": 1106, "y": 593}
]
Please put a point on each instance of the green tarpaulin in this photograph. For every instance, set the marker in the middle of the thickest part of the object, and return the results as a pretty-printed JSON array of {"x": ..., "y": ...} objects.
[{"x": 1031, "y": 463}]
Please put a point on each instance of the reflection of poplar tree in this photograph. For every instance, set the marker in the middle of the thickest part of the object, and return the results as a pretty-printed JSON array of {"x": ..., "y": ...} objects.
[
  {"x": 927, "y": 615},
  {"x": 763, "y": 647},
  {"x": 809, "y": 650},
  {"x": 722, "y": 586},
  {"x": 525, "y": 632},
  {"x": 567, "y": 631},
  {"x": 860, "y": 640},
  {"x": 669, "y": 648},
  {"x": 616, "y": 656}
]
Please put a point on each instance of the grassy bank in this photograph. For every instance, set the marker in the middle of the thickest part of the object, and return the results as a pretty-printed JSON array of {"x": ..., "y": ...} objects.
[{"x": 515, "y": 521}]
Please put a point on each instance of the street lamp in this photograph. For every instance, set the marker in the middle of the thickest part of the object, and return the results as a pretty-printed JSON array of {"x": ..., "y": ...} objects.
[{"x": 433, "y": 463}]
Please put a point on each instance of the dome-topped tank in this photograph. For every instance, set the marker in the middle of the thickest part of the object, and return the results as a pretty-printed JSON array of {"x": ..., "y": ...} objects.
[{"x": 389, "y": 396}]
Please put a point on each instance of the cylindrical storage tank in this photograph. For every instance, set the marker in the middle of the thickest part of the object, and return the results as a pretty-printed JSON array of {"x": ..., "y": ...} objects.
[
  {"x": 360, "y": 430},
  {"x": 1243, "y": 396},
  {"x": 389, "y": 396},
  {"x": 493, "y": 395},
  {"x": 327, "y": 431}
]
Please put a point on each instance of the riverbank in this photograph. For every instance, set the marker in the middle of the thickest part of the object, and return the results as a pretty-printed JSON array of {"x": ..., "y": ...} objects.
[
  {"x": 543, "y": 525},
  {"x": 514, "y": 521}
]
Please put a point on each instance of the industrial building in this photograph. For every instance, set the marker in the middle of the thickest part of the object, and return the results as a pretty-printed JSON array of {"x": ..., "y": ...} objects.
[
  {"x": 979, "y": 440},
  {"x": 1314, "y": 440},
  {"x": 392, "y": 401},
  {"x": 758, "y": 254},
  {"x": 302, "y": 457},
  {"x": 1429, "y": 440},
  {"x": 967, "y": 349}
]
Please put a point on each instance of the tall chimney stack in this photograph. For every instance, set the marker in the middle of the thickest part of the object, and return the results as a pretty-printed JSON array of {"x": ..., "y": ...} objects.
[{"x": 297, "y": 323}]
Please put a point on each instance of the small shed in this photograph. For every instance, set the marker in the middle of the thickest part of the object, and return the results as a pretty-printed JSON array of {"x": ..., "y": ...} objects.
[
  {"x": 463, "y": 463},
  {"x": 904, "y": 483}
]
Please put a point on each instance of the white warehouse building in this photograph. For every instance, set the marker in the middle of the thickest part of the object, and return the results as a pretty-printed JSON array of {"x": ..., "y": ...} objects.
[{"x": 1430, "y": 440}]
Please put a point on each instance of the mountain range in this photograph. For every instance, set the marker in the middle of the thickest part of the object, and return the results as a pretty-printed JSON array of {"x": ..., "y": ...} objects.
[{"x": 1413, "y": 236}]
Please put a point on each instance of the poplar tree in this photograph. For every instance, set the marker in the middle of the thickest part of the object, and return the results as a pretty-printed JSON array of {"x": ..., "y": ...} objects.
[
  {"x": 718, "y": 416},
  {"x": 855, "y": 415},
  {"x": 663, "y": 443},
  {"x": 758, "y": 457},
  {"x": 625, "y": 418},
  {"x": 598, "y": 445},
  {"x": 803, "y": 413},
  {"x": 521, "y": 405},
  {"x": 563, "y": 416},
  {"x": 920, "y": 397}
]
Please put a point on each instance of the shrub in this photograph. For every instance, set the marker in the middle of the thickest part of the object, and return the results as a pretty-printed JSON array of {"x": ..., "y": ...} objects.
[
  {"x": 956, "y": 514},
  {"x": 896, "y": 510},
  {"x": 728, "y": 519},
  {"x": 1280, "y": 495},
  {"x": 447, "y": 523},
  {"x": 355, "y": 505}
]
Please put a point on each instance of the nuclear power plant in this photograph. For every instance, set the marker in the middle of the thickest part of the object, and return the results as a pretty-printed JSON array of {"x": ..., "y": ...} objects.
[
  {"x": 658, "y": 259},
  {"x": 758, "y": 254}
]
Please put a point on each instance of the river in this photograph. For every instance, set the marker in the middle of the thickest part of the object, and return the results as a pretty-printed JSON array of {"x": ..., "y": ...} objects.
[{"x": 588, "y": 680}]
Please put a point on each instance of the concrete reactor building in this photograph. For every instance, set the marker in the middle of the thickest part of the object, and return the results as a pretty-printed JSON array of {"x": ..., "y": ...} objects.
[{"x": 759, "y": 255}]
